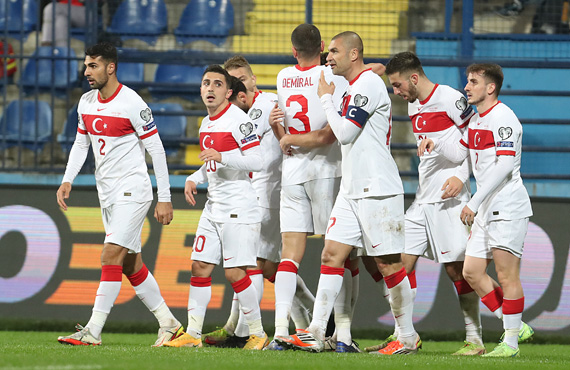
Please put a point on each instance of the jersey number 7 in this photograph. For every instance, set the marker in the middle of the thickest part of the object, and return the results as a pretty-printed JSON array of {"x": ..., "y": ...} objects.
[{"x": 302, "y": 115}]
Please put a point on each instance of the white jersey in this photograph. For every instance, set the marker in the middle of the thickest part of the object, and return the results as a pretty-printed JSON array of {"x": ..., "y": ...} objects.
[
  {"x": 267, "y": 182},
  {"x": 443, "y": 116},
  {"x": 491, "y": 134},
  {"x": 231, "y": 197},
  {"x": 116, "y": 127},
  {"x": 368, "y": 169},
  {"x": 297, "y": 93}
]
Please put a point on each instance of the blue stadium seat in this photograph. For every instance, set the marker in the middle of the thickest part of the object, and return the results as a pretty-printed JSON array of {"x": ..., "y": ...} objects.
[
  {"x": 131, "y": 74},
  {"x": 173, "y": 79},
  {"x": 35, "y": 128},
  {"x": 145, "y": 20},
  {"x": 20, "y": 18},
  {"x": 59, "y": 72},
  {"x": 170, "y": 128},
  {"x": 209, "y": 20},
  {"x": 67, "y": 136}
]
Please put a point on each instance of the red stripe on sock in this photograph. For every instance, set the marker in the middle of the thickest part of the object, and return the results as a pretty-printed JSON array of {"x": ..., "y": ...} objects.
[
  {"x": 412, "y": 278},
  {"x": 327, "y": 270},
  {"x": 111, "y": 273},
  {"x": 241, "y": 285},
  {"x": 200, "y": 281},
  {"x": 253, "y": 272},
  {"x": 287, "y": 266},
  {"x": 272, "y": 278},
  {"x": 395, "y": 279},
  {"x": 462, "y": 287},
  {"x": 347, "y": 263},
  {"x": 377, "y": 276},
  {"x": 137, "y": 278},
  {"x": 355, "y": 272},
  {"x": 513, "y": 306},
  {"x": 493, "y": 300}
]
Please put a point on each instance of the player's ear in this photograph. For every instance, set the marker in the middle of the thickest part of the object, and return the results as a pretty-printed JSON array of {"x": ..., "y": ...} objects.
[
  {"x": 414, "y": 77},
  {"x": 111, "y": 68},
  {"x": 491, "y": 87},
  {"x": 322, "y": 46},
  {"x": 229, "y": 93},
  {"x": 294, "y": 51},
  {"x": 254, "y": 78}
]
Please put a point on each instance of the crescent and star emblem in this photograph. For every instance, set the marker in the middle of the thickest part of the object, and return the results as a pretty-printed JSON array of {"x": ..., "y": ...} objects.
[
  {"x": 477, "y": 139},
  {"x": 95, "y": 125},
  {"x": 211, "y": 142},
  {"x": 418, "y": 121}
]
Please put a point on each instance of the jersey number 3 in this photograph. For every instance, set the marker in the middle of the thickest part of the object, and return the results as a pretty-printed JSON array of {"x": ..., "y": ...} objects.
[{"x": 302, "y": 115}]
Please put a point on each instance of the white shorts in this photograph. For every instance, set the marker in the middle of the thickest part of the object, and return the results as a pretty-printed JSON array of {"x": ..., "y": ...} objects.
[
  {"x": 236, "y": 243},
  {"x": 502, "y": 234},
  {"x": 270, "y": 236},
  {"x": 375, "y": 224},
  {"x": 123, "y": 224},
  {"x": 305, "y": 208},
  {"x": 435, "y": 231}
]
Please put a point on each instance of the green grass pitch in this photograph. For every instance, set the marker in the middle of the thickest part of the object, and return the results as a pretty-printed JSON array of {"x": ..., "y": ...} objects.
[{"x": 40, "y": 350}]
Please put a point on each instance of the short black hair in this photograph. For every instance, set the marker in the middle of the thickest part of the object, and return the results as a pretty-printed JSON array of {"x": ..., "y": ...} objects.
[
  {"x": 216, "y": 68},
  {"x": 237, "y": 86},
  {"x": 306, "y": 39},
  {"x": 491, "y": 72},
  {"x": 106, "y": 50},
  {"x": 403, "y": 62}
]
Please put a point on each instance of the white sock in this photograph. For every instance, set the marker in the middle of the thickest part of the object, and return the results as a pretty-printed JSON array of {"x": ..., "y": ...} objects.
[
  {"x": 343, "y": 309},
  {"x": 107, "y": 293},
  {"x": 285, "y": 286},
  {"x": 469, "y": 303},
  {"x": 232, "y": 322},
  {"x": 402, "y": 306},
  {"x": 198, "y": 299},
  {"x": 512, "y": 320},
  {"x": 249, "y": 305},
  {"x": 330, "y": 284}
]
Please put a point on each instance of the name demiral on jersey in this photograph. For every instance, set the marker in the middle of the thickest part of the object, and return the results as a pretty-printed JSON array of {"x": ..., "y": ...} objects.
[{"x": 292, "y": 82}]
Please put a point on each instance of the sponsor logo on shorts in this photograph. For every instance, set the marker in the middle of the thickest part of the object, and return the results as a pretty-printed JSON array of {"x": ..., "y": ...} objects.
[
  {"x": 445, "y": 252},
  {"x": 227, "y": 259},
  {"x": 374, "y": 246}
]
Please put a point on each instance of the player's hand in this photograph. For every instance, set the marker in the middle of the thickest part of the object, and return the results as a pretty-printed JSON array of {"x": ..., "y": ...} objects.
[
  {"x": 163, "y": 212},
  {"x": 425, "y": 145},
  {"x": 285, "y": 144},
  {"x": 189, "y": 192},
  {"x": 451, "y": 188},
  {"x": 377, "y": 68},
  {"x": 324, "y": 87},
  {"x": 467, "y": 216},
  {"x": 276, "y": 116},
  {"x": 62, "y": 194},
  {"x": 210, "y": 155}
]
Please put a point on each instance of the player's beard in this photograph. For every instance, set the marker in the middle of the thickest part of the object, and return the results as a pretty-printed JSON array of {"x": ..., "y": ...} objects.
[
  {"x": 412, "y": 92},
  {"x": 99, "y": 84}
]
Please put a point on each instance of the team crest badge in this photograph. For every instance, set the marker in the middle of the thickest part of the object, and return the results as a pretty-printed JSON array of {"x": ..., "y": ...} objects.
[
  {"x": 360, "y": 101},
  {"x": 505, "y": 132},
  {"x": 255, "y": 114},
  {"x": 246, "y": 128},
  {"x": 461, "y": 104},
  {"x": 146, "y": 115}
]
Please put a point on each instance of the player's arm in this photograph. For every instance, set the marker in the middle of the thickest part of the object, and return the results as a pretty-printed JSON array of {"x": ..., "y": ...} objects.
[
  {"x": 192, "y": 182},
  {"x": 163, "y": 211},
  {"x": 309, "y": 140},
  {"x": 249, "y": 159},
  {"x": 453, "y": 186},
  {"x": 455, "y": 152},
  {"x": 276, "y": 119},
  {"x": 377, "y": 68}
]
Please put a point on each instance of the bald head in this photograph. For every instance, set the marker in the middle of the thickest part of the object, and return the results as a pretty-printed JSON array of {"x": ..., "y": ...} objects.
[{"x": 350, "y": 41}]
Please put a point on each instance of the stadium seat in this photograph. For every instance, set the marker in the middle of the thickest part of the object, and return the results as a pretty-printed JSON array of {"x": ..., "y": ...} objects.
[
  {"x": 173, "y": 80},
  {"x": 171, "y": 128},
  {"x": 209, "y": 20},
  {"x": 131, "y": 74},
  {"x": 59, "y": 73},
  {"x": 19, "y": 18},
  {"x": 67, "y": 136},
  {"x": 33, "y": 128},
  {"x": 145, "y": 20}
]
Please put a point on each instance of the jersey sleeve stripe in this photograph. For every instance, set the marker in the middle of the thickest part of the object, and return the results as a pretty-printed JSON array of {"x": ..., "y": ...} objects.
[
  {"x": 463, "y": 143},
  {"x": 506, "y": 152},
  {"x": 149, "y": 134},
  {"x": 464, "y": 124},
  {"x": 84, "y": 132},
  {"x": 355, "y": 122},
  {"x": 250, "y": 145}
]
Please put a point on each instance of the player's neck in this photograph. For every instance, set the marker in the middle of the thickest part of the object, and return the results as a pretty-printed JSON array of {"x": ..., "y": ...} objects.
[
  {"x": 357, "y": 68},
  {"x": 305, "y": 63},
  {"x": 109, "y": 89},
  {"x": 213, "y": 112},
  {"x": 486, "y": 104},
  {"x": 425, "y": 88}
]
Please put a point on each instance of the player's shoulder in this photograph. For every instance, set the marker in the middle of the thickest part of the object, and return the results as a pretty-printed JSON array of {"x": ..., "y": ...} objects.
[
  {"x": 368, "y": 82},
  {"x": 505, "y": 113},
  {"x": 287, "y": 71},
  {"x": 131, "y": 95},
  {"x": 89, "y": 97},
  {"x": 448, "y": 91},
  {"x": 235, "y": 113}
]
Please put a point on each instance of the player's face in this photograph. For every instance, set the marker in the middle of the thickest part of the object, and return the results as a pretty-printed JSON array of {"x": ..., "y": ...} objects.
[
  {"x": 241, "y": 101},
  {"x": 476, "y": 88},
  {"x": 214, "y": 90},
  {"x": 97, "y": 71},
  {"x": 404, "y": 86},
  {"x": 338, "y": 58},
  {"x": 244, "y": 76}
]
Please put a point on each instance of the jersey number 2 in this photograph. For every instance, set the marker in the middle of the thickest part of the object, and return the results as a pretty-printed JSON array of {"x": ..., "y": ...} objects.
[
  {"x": 302, "y": 115},
  {"x": 102, "y": 142}
]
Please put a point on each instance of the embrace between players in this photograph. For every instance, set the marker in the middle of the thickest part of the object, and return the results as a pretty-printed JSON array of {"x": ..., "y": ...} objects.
[{"x": 336, "y": 178}]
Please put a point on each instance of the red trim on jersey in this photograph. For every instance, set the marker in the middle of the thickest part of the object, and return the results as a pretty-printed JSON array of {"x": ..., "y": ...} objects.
[
  {"x": 287, "y": 266},
  {"x": 110, "y": 97},
  {"x": 464, "y": 143},
  {"x": 107, "y": 126},
  {"x": 355, "y": 272},
  {"x": 356, "y": 78},
  {"x": 250, "y": 145},
  {"x": 241, "y": 285},
  {"x": 377, "y": 276},
  {"x": 513, "y": 306},
  {"x": 412, "y": 278},
  {"x": 431, "y": 122},
  {"x": 221, "y": 113},
  {"x": 488, "y": 110},
  {"x": 395, "y": 279},
  {"x": 327, "y": 270},
  {"x": 200, "y": 282},
  {"x": 81, "y": 131},
  {"x": 255, "y": 97},
  {"x": 422, "y": 102},
  {"x": 481, "y": 139},
  {"x": 462, "y": 287},
  {"x": 253, "y": 272},
  {"x": 464, "y": 124},
  {"x": 220, "y": 141},
  {"x": 506, "y": 152},
  {"x": 111, "y": 273},
  {"x": 355, "y": 122},
  {"x": 494, "y": 299},
  {"x": 305, "y": 68},
  {"x": 139, "y": 277},
  {"x": 149, "y": 134}
]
